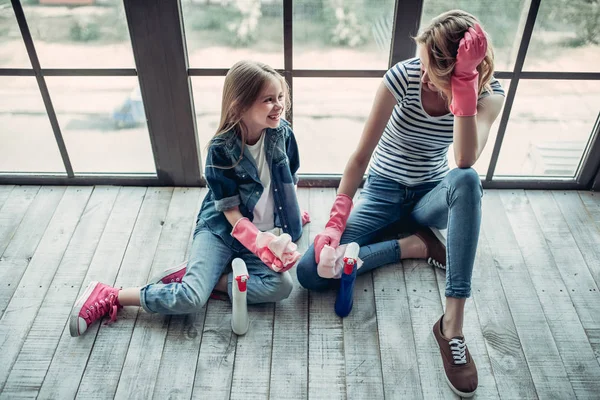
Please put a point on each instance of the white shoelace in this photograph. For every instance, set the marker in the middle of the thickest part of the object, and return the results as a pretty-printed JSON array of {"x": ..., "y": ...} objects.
[
  {"x": 433, "y": 262},
  {"x": 458, "y": 348}
]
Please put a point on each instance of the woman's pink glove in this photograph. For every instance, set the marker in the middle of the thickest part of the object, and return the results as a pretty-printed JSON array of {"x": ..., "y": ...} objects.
[
  {"x": 335, "y": 226},
  {"x": 305, "y": 217},
  {"x": 248, "y": 234},
  {"x": 465, "y": 78}
]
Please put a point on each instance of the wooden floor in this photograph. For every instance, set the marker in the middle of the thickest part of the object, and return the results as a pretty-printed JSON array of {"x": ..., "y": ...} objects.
[{"x": 532, "y": 325}]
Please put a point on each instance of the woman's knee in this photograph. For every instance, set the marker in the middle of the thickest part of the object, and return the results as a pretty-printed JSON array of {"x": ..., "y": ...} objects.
[
  {"x": 465, "y": 182},
  {"x": 306, "y": 270}
]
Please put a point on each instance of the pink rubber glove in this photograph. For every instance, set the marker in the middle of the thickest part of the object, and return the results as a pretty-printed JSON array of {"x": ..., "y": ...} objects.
[
  {"x": 283, "y": 248},
  {"x": 332, "y": 262},
  {"x": 248, "y": 234},
  {"x": 335, "y": 226},
  {"x": 465, "y": 78},
  {"x": 305, "y": 217}
]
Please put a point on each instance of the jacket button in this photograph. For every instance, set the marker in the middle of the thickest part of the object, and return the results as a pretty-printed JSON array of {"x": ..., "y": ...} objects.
[
  {"x": 256, "y": 192},
  {"x": 275, "y": 189},
  {"x": 285, "y": 226},
  {"x": 280, "y": 208}
]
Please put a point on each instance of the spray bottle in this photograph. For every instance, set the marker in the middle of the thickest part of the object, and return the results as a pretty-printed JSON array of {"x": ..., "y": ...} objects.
[
  {"x": 240, "y": 321},
  {"x": 344, "y": 300}
]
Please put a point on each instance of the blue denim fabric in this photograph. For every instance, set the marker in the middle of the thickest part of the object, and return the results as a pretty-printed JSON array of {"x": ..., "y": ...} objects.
[
  {"x": 209, "y": 259},
  {"x": 241, "y": 185},
  {"x": 385, "y": 206}
]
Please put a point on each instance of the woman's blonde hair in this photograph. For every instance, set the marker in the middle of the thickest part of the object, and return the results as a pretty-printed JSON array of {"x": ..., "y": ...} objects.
[{"x": 441, "y": 39}]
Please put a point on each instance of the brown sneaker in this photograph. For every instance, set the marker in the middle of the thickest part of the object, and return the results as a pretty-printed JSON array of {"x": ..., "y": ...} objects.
[
  {"x": 461, "y": 372},
  {"x": 436, "y": 247}
]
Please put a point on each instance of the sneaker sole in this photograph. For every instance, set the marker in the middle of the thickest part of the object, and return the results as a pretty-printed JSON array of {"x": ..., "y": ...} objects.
[
  {"x": 455, "y": 390},
  {"x": 159, "y": 277},
  {"x": 74, "y": 319}
]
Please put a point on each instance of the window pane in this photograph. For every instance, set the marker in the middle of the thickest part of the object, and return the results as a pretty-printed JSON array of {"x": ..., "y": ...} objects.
[
  {"x": 328, "y": 121},
  {"x": 483, "y": 163},
  {"x": 342, "y": 34},
  {"x": 103, "y": 123},
  {"x": 500, "y": 19},
  {"x": 88, "y": 36},
  {"x": 549, "y": 127},
  {"x": 220, "y": 33},
  {"x": 26, "y": 137},
  {"x": 12, "y": 49},
  {"x": 566, "y": 37},
  {"x": 207, "y": 103}
]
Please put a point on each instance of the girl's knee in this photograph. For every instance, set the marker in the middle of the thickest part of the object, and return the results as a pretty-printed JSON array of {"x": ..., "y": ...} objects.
[
  {"x": 280, "y": 287},
  {"x": 190, "y": 299}
]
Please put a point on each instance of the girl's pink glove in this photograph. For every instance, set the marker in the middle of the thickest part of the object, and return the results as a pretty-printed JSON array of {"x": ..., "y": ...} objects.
[
  {"x": 247, "y": 234},
  {"x": 282, "y": 247},
  {"x": 335, "y": 227},
  {"x": 465, "y": 78},
  {"x": 305, "y": 217}
]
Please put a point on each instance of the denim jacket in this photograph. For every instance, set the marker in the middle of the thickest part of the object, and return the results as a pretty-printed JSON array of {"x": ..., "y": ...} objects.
[{"x": 241, "y": 185}]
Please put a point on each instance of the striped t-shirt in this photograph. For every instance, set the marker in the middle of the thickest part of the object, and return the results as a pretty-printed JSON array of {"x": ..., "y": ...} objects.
[{"x": 414, "y": 146}]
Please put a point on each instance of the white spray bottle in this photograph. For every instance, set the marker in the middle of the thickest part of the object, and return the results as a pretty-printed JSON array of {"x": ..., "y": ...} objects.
[{"x": 240, "y": 322}]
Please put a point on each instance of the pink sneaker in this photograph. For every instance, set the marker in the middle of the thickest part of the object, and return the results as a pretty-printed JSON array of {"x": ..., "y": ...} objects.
[
  {"x": 170, "y": 275},
  {"x": 97, "y": 301}
]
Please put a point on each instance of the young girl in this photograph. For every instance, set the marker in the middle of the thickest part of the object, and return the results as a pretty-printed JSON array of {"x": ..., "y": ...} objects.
[
  {"x": 251, "y": 166},
  {"x": 424, "y": 104}
]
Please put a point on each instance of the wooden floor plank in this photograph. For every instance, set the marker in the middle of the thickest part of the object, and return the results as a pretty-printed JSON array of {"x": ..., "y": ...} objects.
[
  {"x": 5, "y": 193},
  {"x": 586, "y": 235},
  {"x": 289, "y": 361},
  {"x": 425, "y": 309},
  {"x": 508, "y": 362},
  {"x": 215, "y": 361},
  {"x": 578, "y": 280},
  {"x": 21, "y": 248},
  {"x": 145, "y": 350},
  {"x": 32, "y": 363},
  {"x": 364, "y": 378},
  {"x": 574, "y": 348},
  {"x": 591, "y": 201},
  {"x": 545, "y": 364},
  {"x": 112, "y": 341},
  {"x": 252, "y": 362},
  {"x": 12, "y": 212},
  {"x": 177, "y": 369},
  {"x": 400, "y": 369},
  {"x": 71, "y": 355},
  {"x": 27, "y": 299},
  {"x": 326, "y": 364}
]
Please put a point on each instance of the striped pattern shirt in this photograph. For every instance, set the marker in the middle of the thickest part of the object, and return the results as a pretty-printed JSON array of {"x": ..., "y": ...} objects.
[{"x": 414, "y": 146}]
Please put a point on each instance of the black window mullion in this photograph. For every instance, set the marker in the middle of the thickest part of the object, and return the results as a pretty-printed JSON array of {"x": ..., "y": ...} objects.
[
  {"x": 512, "y": 90},
  {"x": 35, "y": 63}
]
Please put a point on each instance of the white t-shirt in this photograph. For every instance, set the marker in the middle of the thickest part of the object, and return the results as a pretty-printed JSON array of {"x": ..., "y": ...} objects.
[{"x": 264, "y": 211}]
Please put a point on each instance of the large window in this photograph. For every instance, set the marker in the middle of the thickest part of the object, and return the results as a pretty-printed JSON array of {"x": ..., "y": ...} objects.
[{"x": 115, "y": 88}]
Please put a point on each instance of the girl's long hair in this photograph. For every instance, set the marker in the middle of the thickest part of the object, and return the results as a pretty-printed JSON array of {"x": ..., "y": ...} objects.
[{"x": 243, "y": 84}]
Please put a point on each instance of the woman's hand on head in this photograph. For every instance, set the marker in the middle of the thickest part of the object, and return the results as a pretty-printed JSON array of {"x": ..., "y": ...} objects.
[{"x": 471, "y": 52}]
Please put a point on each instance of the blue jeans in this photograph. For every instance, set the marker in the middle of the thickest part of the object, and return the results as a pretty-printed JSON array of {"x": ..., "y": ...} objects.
[
  {"x": 386, "y": 206},
  {"x": 209, "y": 259}
]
